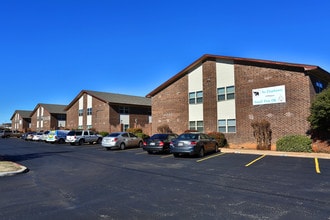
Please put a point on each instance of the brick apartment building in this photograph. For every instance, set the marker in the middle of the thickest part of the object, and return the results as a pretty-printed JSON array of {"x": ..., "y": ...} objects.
[
  {"x": 108, "y": 112},
  {"x": 48, "y": 117},
  {"x": 226, "y": 94},
  {"x": 21, "y": 120}
]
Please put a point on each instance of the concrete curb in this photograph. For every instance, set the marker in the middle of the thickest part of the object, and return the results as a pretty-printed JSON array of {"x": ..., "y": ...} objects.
[
  {"x": 277, "y": 153},
  {"x": 19, "y": 169}
]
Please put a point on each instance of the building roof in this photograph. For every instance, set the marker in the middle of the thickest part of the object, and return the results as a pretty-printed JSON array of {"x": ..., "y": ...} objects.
[
  {"x": 113, "y": 98},
  {"x": 22, "y": 113},
  {"x": 308, "y": 69},
  {"x": 51, "y": 108}
]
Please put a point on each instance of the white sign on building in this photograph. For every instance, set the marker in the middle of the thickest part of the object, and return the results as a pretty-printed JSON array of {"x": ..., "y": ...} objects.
[{"x": 269, "y": 95}]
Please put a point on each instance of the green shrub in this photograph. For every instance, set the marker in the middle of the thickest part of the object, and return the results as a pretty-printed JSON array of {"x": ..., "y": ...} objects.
[
  {"x": 134, "y": 130},
  {"x": 103, "y": 133},
  {"x": 142, "y": 135},
  {"x": 294, "y": 143},
  {"x": 220, "y": 138}
]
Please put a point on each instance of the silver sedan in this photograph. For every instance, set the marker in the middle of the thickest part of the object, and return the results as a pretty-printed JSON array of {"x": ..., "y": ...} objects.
[{"x": 121, "y": 140}]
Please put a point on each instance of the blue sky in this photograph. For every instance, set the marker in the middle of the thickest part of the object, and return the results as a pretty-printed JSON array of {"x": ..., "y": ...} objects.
[{"x": 51, "y": 50}]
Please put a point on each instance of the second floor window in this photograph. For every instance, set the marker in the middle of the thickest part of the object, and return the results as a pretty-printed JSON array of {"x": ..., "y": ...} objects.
[
  {"x": 81, "y": 112},
  {"x": 89, "y": 111},
  {"x": 196, "y": 97},
  {"x": 123, "y": 110},
  {"x": 226, "y": 93}
]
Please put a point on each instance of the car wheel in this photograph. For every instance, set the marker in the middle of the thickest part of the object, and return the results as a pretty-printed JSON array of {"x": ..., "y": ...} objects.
[
  {"x": 61, "y": 141},
  {"x": 201, "y": 152},
  {"x": 99, "y": 141},
  {"x": 122, "y": 146},
  {"x": 140, "y": 144},
  {"x": 81, "y": 141}
]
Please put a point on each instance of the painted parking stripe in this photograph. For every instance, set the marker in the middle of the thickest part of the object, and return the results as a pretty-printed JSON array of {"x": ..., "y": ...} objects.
[
  {"x": 209, "y": 157},
  {"x": 317, "y": 167},
  {"x": 253, "y": 161},
  {"x": 143, "y": 152},
  {"x": 170, "y": 155}
]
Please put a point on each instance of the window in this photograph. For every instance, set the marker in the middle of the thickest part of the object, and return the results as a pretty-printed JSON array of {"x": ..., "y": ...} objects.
[
  {"x": 196, "y": 97},
  {"x": 226, "y": 93},
  {"x": 319, "y": 87},
  {"x": 221, "y": 94},
  {"x": 191, "y": 98},
  {"x": 230, "y": 90},
  {"x": 81, "y": 112},
  {"x": 196, "y": 125},
  {"x": 222, "y": 126},
  {"x": 89, "y": 111},
  {"x": 227, "y": 125},
  {"x": 123, "y": 110}
]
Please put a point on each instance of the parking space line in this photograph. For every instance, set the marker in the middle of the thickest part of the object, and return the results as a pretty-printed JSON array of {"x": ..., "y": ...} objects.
[
  {"x": 253, "y": 161},
  {"x": 317, "y": 167},
  {"x": 143, "y": 152},
  {"x": 170, "y": 155},
  {"x": 209, "y": 157}
]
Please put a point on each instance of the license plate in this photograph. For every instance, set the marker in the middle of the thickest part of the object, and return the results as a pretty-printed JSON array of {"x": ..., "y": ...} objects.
[
  {"x": 180, "y": 144},
  {"x": 152, "y": 143}
]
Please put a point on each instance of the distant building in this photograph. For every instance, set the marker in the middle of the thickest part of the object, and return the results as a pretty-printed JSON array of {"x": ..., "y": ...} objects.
[
  {"x": 48, "y": 117},
  {"x": 226, "y": 94},
  {"x": 21, "y": 120},
  {"x": 108, "y": 112}
]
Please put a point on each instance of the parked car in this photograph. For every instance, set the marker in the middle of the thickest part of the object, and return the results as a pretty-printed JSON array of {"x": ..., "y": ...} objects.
[
  {"x": 194, "y": 143},
  {"x": 121, "y": 140},
  {"x": 44, "y": 135},
  {"x": 57, "y": 136},
  {"x": 29, "y": 135},
  {"x": 83, "y": 136},
  {"x": 37, "y": 136},
  {"x": 5, "y": 133},
  {"x": 159, "y": 143}
]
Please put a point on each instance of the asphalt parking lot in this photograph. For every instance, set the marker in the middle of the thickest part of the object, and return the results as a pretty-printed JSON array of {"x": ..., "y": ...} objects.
[{"x": 88, "y": 182}]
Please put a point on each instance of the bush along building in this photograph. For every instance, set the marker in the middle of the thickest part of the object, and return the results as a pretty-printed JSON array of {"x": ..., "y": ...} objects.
[
  {"x": 233, "y": 95},
  {"x": 108, "y": 112}
]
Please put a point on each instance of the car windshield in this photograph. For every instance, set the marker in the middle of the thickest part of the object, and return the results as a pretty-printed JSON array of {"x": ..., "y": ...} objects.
[
  {"x": 71, "y": 133},
  {"x": 188, "y": 136}
]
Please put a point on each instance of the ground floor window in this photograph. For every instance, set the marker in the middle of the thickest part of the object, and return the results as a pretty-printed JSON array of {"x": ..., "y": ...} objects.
[
  {"x": 227, "y": 125},
  {"x": 196, "y": 125}
]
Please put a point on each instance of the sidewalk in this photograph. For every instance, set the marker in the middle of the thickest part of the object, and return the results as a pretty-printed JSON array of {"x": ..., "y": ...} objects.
[
  {"x": 276, "y": 153},
  {"x": 8, "y": 168}
]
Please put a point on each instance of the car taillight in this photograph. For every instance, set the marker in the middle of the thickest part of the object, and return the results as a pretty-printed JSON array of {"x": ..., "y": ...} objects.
[
  {"x": 144, "y": 143},
  {"x": 115, "y": 139},
  {"x": 161, "y": 143},
  {"x": 193, "y": 142}
]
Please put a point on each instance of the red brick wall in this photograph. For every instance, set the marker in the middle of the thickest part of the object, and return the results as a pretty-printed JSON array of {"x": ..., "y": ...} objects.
[
  {"x": 170, "y": 107},
  {"x": 209, "y": 97},
  {"x": 285, "y": 118}
]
